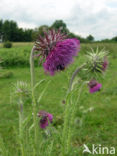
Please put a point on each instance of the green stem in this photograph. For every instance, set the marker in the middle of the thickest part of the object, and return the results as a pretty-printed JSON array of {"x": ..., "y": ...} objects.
[
  {"x": 67, "y": 114},
  {"x": 66, "y": 117},
  {"x": 21, "y": 127},
  {"x": 32, "y": 67},
  {"x": 72, "y": 118},
  {"x": 33, "y": 98},
  {"x": 74, "y": 75}
]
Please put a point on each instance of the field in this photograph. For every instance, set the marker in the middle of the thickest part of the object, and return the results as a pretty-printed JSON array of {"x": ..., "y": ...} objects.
[{"x": 95, "y": 122}]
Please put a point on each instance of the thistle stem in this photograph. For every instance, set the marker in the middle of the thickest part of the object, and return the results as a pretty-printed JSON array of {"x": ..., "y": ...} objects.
[
  {"x": 66, "y": 131},
  {"x": 65, "y": 126},
  {"x": 32, "y": 67},
  {"x": 33, "y": 97},
  {"x": 21, "y": 126},
  {"x": 74, "y": 75},
  {"x": 73, "y": 110}
]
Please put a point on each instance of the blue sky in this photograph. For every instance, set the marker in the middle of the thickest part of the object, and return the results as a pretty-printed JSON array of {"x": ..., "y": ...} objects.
[{"x": 96, "y": 17}]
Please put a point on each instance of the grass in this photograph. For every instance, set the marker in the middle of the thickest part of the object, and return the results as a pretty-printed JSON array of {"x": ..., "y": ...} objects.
[{"x": 98, "y": 127}]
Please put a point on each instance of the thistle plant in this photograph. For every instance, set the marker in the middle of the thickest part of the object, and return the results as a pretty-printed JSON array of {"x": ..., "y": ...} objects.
[
  {"x": 88, "y": 73},
  {"x": 21, "y": 91},
  {"x": 55, "y": 51}
]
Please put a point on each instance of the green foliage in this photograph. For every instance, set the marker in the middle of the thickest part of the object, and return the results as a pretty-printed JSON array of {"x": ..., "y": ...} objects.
[
  {"x": 7, "y": 44},
  {"x": 90, "y": 38},
  {"x": 59, "y": 24},
  {"x": 10, "y": 31},
  {"x": 114, "y": 38},
  {"x": 82, "y": 40},
  {"x": 42, "y": 29},
  {"x": 15, "y": 56},
  {"x": 39, "y": 31}
]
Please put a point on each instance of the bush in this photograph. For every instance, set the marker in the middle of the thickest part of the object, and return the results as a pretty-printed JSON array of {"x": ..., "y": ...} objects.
[
  {"x": 16, "y": 56},
  {"x": 7, "y": 44}
]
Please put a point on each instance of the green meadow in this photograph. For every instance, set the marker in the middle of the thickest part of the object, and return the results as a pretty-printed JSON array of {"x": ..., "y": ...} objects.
[{"x": 96, "y": 115}]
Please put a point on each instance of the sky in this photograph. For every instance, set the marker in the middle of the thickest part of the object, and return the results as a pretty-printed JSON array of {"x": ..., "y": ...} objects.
[{"x": 83, "y": 17}]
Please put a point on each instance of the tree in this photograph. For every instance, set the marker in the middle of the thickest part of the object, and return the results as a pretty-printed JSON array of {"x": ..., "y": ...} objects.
[
  {"x": 28, "y": 35},
  {"x": 42, "y": 29},
  {"x": 1, "y": 31},
  {"x": 71, "y": 35},
  {"x": 9, "y": 30},
  {"x": 90, "y": 38},
  {"x": 6, "y": 30},
  {"x": 35, "y": 34},
  {"x": 13, "y": 31},
  {"x": 39, "y": 31},
  {"x": 114, "y": 38},
  {"x": 59, "y": 24},
  {"x": 1, "y": 25}
]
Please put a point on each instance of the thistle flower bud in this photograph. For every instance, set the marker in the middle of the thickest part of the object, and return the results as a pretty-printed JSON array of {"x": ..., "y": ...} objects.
[
  {"x": 21, "y": 88},
  {"x": 94, "y": 86},
  {"x": 97, "y": 61},
  {"x": 45, "y": 117}
]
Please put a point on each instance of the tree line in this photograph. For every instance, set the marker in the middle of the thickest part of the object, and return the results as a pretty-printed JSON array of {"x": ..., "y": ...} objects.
[{"x": 9, "y": 31}]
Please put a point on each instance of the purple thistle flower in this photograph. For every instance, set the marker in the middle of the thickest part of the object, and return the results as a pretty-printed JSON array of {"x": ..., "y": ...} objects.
[
  {"x": 57, "y": 51},
  {"x": 61, "y": 56},
  {"x": 94, "y": 86},
  {"x": 45, "y": 119}
]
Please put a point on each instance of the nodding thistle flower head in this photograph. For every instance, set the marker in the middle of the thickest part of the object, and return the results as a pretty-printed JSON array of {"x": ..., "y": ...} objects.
[
  {"x": 94, "y": 86},
  {"x": 56, "y": 51},
  {"x": 45, "y": 119},
  {"x": 97, "y": 60}
]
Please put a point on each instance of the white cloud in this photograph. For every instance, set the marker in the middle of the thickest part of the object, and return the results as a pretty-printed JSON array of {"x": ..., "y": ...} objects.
[{"x": 98, "y": 18}]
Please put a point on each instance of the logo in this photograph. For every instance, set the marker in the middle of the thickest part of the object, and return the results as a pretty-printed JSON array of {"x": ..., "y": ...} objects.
[{"x": 98, "y": 149}]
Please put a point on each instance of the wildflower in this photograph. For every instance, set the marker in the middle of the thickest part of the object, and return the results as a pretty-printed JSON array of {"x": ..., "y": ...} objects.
[
  {"x": 57, "y": 51},
  {"x": 45, "y": 119},
  {"x": 94, "y": 86}
]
